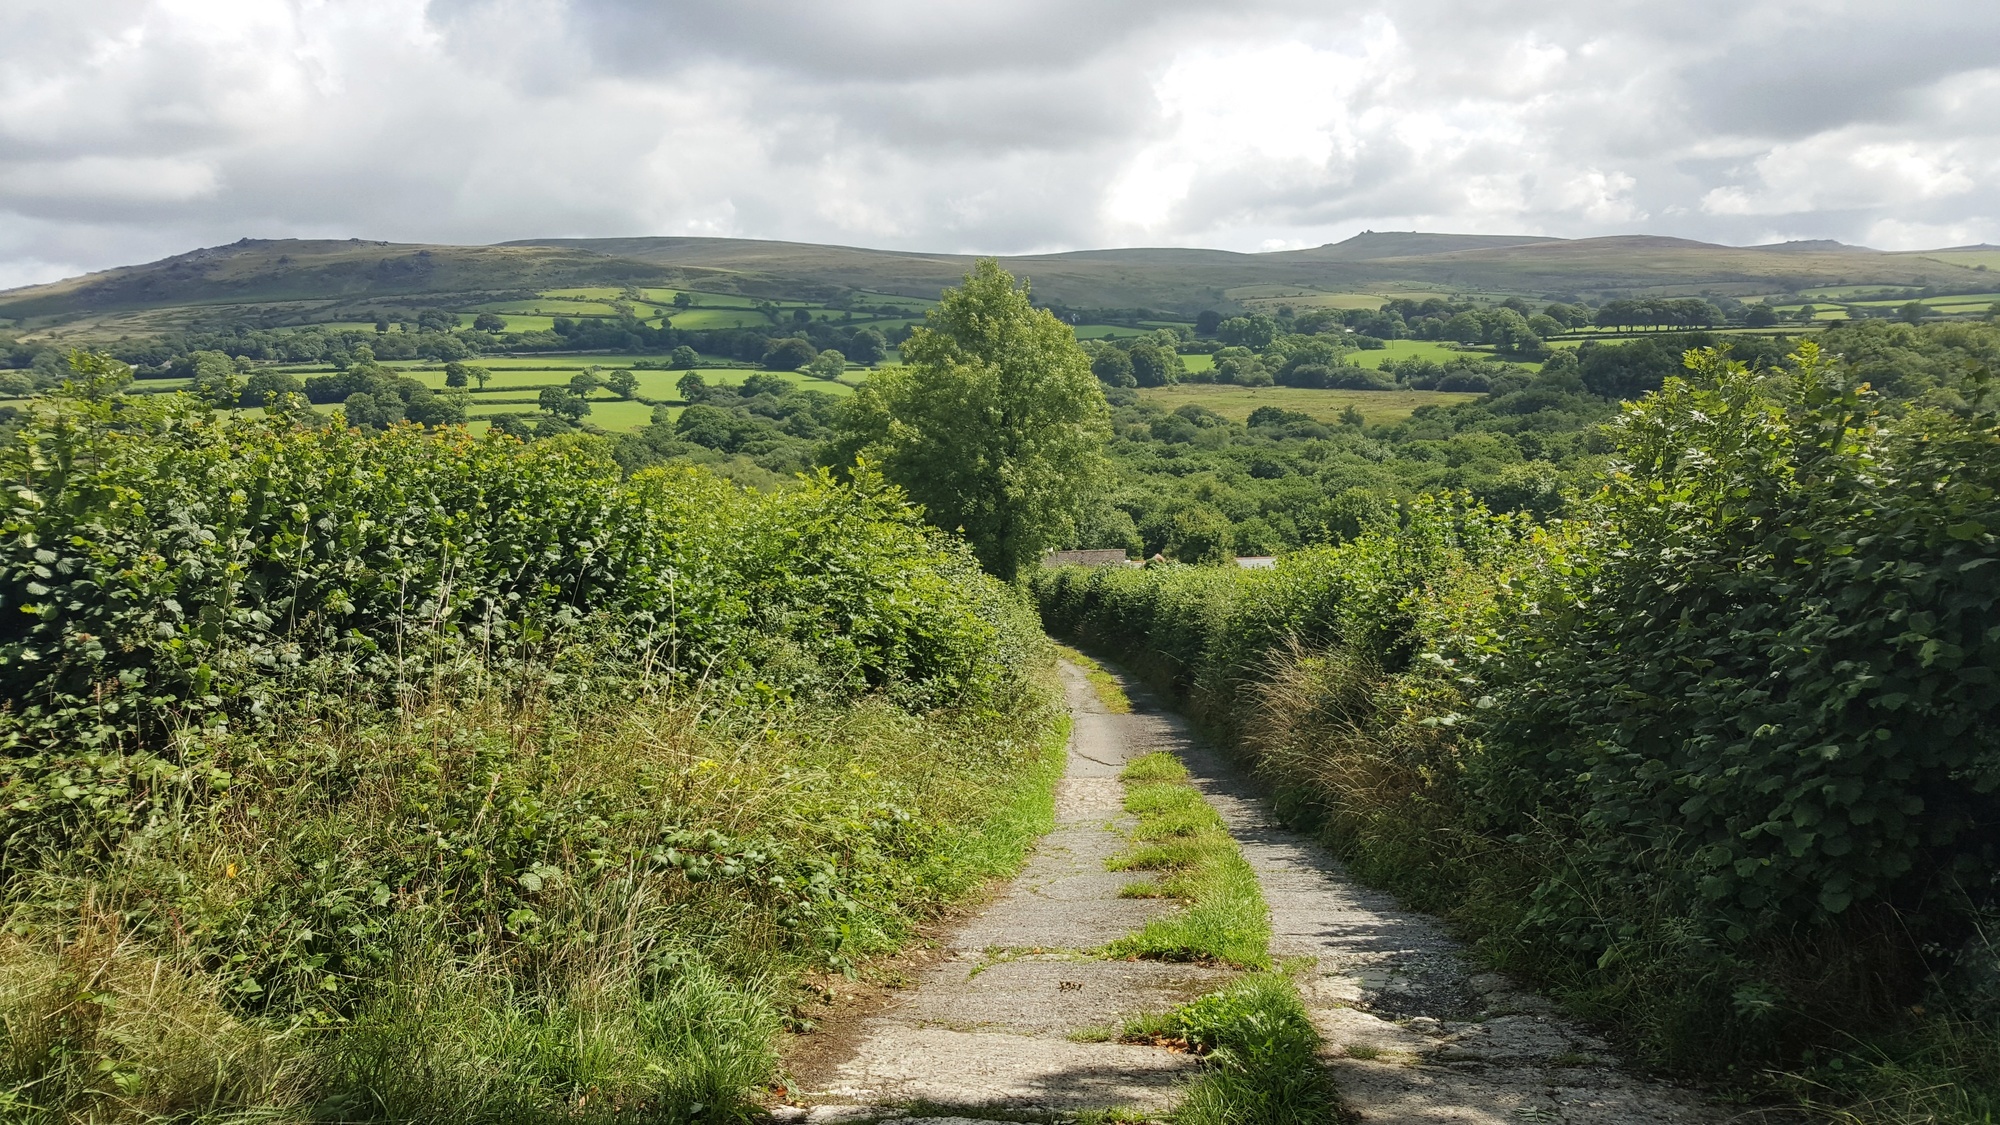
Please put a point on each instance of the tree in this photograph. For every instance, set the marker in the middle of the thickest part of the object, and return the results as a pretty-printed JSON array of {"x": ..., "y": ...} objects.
[
  {"x": 1914, "y": 312},
  {"x": 1760, "y": 316},
  {"x": 371, "y": 412},
  {"x": 623, "y": 383},
  {"x": 1207, "y": 321},
  {"x": 262, "y": 386},
  {"x": 683, "y": 300},
  {"x": 215, "y": 379},
  {"x": 559, "y": 403},
  {"x": 995, "y": 424},
  {"x": 1113, "y": 368},
  {"x": 584, "y": 384},
  {"x": 1154, "y": 366},
  {"x": 693, "y": 387},
  {"x": 489, "y": 322},
  {"x": 456, "y": 374},
  {"x": 446, "y": 408},
  {"x": 866, "y": 346},
  {"x": 828, "y": 365},
  {"x": 1248, "y": 331},
  {"x": 683, "y": 357},
  {"x": 789, "y": 354}
]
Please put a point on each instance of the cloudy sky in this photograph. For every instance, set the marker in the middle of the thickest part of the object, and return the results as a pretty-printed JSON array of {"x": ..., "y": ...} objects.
[{"x": 133, "y": 129}]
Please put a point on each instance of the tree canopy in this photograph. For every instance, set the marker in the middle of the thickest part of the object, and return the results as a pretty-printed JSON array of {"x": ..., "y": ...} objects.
[{"x": 995, "y": 423}]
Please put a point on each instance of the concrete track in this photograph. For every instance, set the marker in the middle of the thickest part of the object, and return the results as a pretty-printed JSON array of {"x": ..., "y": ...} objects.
[{"x": 1013, "y": 1018}]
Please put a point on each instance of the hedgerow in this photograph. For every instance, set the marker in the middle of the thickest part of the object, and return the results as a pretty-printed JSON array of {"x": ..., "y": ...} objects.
[
  {"x": 426, "y": 777},
  {"x": 1717, "y": 755},
  {"x": 164, "y": 571}
]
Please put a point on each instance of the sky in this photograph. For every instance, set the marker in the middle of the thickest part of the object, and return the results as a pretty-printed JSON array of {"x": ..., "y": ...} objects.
[{"x": 135, "y": 129}]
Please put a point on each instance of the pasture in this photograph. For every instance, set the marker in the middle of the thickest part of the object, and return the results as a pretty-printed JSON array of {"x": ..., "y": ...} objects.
[{"x": 1236, "y": 403}]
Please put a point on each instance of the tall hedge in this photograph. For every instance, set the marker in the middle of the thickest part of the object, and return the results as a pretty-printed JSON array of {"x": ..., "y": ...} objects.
[{"x": 1724, "y": 740}]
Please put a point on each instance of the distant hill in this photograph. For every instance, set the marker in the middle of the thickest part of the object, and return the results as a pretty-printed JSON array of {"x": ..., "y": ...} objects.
[{"x": 301, "y": 272}]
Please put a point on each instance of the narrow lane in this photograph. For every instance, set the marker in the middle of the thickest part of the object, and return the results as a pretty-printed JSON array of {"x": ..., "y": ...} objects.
[{"x": 1007, "y": 1019}]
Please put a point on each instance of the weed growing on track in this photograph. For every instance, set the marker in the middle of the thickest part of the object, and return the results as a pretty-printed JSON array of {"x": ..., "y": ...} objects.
[
  {"x": 1184, "y": 839},
  {"x": 1109, "y": 691},
  {"x": 1257, "y": 1046}
]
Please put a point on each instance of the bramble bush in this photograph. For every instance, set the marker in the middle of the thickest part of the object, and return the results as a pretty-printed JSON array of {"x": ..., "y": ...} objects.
[{"x": 1717, "y": 754}]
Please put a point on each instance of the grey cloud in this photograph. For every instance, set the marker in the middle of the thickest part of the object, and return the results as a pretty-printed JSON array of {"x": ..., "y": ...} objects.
[{"x": 134, "y": 128}]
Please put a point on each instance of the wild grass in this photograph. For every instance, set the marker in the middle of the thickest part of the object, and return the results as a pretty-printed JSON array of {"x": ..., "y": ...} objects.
[
  {"x": 1258, "y": 1050},
  {"x": 502, "y": 910},
  {"x": 1109, "y": 691},
  {"x": 1183, "y": 839}
]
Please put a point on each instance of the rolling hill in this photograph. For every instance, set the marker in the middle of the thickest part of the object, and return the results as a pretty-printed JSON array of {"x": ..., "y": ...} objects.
[{"x": 319, "y": 277}]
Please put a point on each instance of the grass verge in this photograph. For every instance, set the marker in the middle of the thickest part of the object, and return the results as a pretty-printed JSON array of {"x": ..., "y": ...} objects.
[
  {"x": 1109, "y": 691},
  {"x": 629, "y": 896},
  {"x": 1184, "y": 840},
  {"x": 1257, "y": 1047}
]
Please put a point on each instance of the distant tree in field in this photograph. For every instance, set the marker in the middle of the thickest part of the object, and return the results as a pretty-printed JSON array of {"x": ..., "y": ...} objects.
[
  {"x": 623, "y": 383},
  {"x": 1760, "y": 316},
  {"x": 456, "y": 374},
  {"x": 1113, "y": 368},
  {"x": 693, "y": 387},
  {"x": 370, "y": 412},
  {"x": 1200, "y": 535},
  {"x": 1248, "y": 331},
  {"x": 683, "y": 300},
  {"x": 489, "y": 322},
  {"x": 995, "y": 424},
  {"x": 1153, "y": 366},
  {"x": 1465, "y": 328},
  {"x": 1207, "y": 321},
  {"x": 1349, "y": 416},
  {"x": 1545, "y": 326},
  {"x": 436, "y": 320},
  {"x": 479, "y": 375},
  {"x": 215, "y": 379},
  {"x": 683, "y": 357},
  {"x": 789, "y": 354},
  {"x": 866, "y": 346},
  {"x": 584, "y": 383},
  {"x": 381, "y": 324},
  {"x": 445, "y": 409},
  {"x": 802, "y": 316},
  {"x": 560, "y": 403},
  {"x": 1914, "y": 312},
  {"x": 262, "y": 386},
  {"x": 1808, "y": 314},
  {"x": 828, "y": 364}
]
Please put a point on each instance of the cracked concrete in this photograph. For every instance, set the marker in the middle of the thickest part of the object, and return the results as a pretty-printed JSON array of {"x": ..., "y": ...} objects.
[{"x": 1412, "y": 1035}]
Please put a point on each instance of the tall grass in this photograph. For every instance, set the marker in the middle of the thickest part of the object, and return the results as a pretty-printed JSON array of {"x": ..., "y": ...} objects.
[{"x": 490, "y": 912}]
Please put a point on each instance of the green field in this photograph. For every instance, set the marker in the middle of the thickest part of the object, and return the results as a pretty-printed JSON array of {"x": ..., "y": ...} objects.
[
  {"x": 1236, "y": 403},
  {"x": 1989, "y": 259},
  {"x": 719, "y": 318}
]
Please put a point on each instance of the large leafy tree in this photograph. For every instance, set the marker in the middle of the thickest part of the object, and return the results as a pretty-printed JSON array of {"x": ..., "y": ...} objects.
[{"x": 994, "y": 423}]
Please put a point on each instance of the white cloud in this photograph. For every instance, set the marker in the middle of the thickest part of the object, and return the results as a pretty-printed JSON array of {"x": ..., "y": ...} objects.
[{"x": 130, "y": 129}]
